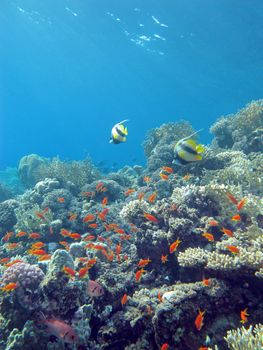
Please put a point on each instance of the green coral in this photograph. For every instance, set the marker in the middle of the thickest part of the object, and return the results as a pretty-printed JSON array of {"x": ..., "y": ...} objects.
[{"x": 245, "y": 338}]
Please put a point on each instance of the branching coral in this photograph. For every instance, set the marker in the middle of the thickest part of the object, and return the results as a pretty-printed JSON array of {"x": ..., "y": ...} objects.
[
  {"x": 245, "y": 338},
  {"x": 77, "y": 172},
  {"x": 242, "y": 131}
]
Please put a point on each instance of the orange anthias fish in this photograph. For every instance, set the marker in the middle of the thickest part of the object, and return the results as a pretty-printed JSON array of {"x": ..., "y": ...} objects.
[
  {"x": 241, "y": 203},
  {"x": 37, "y": 252},
  {"x": 118, "y": 252},
  {"x": 163, "y": 176},
  {"x": 21, "y": 234},
  {"x": 208, "y": 236},
  {"x": 61, "y": 199},
  {"x": 4, "y": 260},
  {"x": 40, "y": 215},
  {"x": 124, "y": 299},
  {"x": 102, "y": 214},
  {"x": 165, "y": 346},
  {"x": 187, "y": 177},
  {"x": 174, "y": 246},
  {"x": 167, "y": 169},
  {"x": 143, "y": 262},
  {"x": 150, "y": 217},
  {"x": 243, "y": 316},
  {"x": 69, "y": 271},
  {"x": 236, "y": 217},
  {"x": 140, "y": 196},
  {"x": 152, "y": 197},
  {"x": 64, "y": 232},
  {"x": 159, "y": 295},
  {"x": 93, "y": 225},
  {"x": 34, "y": 235},
  {"x": 213, "y": 223},
  {"x": 9, "y": 287},
  {"x": 75, "y": 235},
  {"x": 206, "y": 282},
  {"x": 11, "y": 246},
  {"x": 45, "y": 257},
  {"x": 233, "y": 249},
  {"x": 232, "y": 198},
  {"x": 138, "y": 275},
  {"x": 146, "y": 179},
  {"x": 199, "y": 321},
  {"x": 227, "y": 232},
  {"x": 164, "y": 259},
  {"x": 203, "y": 348},
  {"x": 7, "y": 236},
  {"x": 83, "y": 271},
  {"x": 38, "y": 245},
  {"x": 104, "y": 201},
  {"x": 88, "y": 218},
  {"x": 129, "y": 192}
]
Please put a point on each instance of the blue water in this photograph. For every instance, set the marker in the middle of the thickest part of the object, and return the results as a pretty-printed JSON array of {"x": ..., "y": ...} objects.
[{"x": 72, "y": 69}]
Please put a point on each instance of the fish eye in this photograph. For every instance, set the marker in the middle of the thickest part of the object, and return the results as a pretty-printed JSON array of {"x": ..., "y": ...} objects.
[{"x": 72, "y": 337}]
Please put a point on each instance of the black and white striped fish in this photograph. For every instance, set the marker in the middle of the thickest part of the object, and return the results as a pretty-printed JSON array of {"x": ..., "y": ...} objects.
[{"x": 119, "y": 132}]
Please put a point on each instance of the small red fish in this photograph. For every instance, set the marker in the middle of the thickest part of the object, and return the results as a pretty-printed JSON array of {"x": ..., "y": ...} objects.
[
  {"x": 243, "y": 316},
  {"x": 4, "y": 260},
  {"x": 93, "y": 225},
  {"x": 164, "y": 176},
  {"x": 45, "y": 257},
  {"x": 187, "y": 177},
  {"x": 227, "y": 232},
  {"x": 167, "y": 169},
  {"x": 11, "y": 246},
  {"x": 7, "y": 236},
  {"x": 89, "y": 238},
  {"x": 143, "y": 262},
  {"x": 61, "y": 199},
  {"x": 203, "y": 348},
  {"x": 199, "y": 321},
  {"x": 206, "y": 282},
  {"x": 102, "y": 214},
  {"x": 40, "y": 215},
  {"x": 104, "y": 201},
  {"x": 21, "y": 234},
  {"x": 208, "y": 236},
  {"x": 37, "y": 252},
  {"x": 88, "y": 218},
  {"x": 146, "y": 179},
  {"x": 150, "y": 217},
  {"x": 164, "y": 259},
  {"x": 241, "y": 203},
  {"x": 233, "y": 249},
  {"x": 38, "y": 245},
  {"x": 140, "y": 196},
  {"x": 138, "y": 275},
  {"x": 69, "y": 271},
  {"x": 34, "y": 235},
  {"x": 75, "y": 235},
  {"x": 65, "y": 233},
  {"x": 165, "y": 346},
  {"x": 124, "y": 299},
  {"x": 174, "y": 246},
  {"x": 213, "y": 223},
  {"x": 159, "y": 296},
  {"x": 129, "y": 192},
  {"x": 152, "y": 197},
  {"x": 9, "y": 287},
  {"x": 232, "y": 198},
  {"x": 83, "y": 272},
  {"x": 236, "y": 217}
]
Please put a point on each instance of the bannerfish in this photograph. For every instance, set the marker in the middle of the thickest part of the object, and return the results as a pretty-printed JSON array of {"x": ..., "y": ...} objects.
[
  {"x": 187, "y": 150},
  {"x": 119, "y": 132},
  {"x": 95, "y": 289}
]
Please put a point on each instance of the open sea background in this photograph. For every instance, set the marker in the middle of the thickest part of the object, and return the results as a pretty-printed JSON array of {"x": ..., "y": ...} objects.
[{"x": 71, "y": 69}]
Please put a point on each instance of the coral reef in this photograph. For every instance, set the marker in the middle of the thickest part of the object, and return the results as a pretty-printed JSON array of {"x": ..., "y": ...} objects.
[{"x": 141, "y": 257}]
